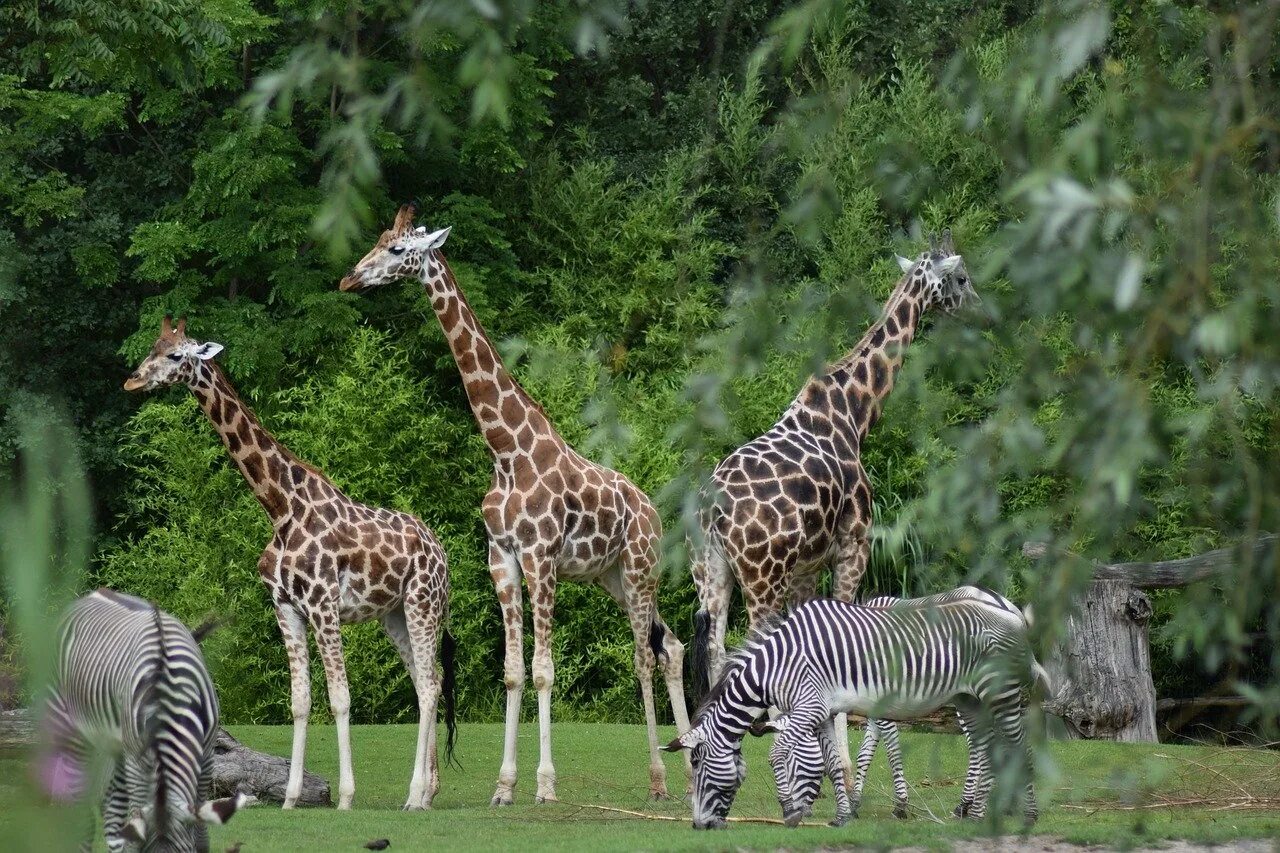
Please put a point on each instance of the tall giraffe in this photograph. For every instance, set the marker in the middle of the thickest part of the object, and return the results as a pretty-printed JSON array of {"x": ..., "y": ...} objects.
[
  {"x": 792, "y": 501},
  {"x": 550, "y": 513},
  {"x": 331, "y": 561}
]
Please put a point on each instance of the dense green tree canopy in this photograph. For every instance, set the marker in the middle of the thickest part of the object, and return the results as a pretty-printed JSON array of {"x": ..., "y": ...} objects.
[{"x": 667, "y": 214}]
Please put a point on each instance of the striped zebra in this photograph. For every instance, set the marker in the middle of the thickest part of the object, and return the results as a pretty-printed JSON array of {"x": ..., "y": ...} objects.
[
  {"x": 891, "y": 663},
  {"x": 805, "y": 767},
  {"x": 131, "y": 683}
]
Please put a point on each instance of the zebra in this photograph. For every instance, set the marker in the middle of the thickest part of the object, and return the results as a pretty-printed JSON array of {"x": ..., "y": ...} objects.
[
  {"x": 131, "y": 681},
  {"x": 897, "y": 662}
]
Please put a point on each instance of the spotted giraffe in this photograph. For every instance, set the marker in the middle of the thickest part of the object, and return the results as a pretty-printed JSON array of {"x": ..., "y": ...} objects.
[
  {"x": 331, "y": 561},
  {"x": 550, "y": 514},
  {"x": 794, "y": 500}
]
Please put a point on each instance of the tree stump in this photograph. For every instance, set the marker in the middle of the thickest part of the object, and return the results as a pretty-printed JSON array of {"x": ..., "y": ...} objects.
[
  {"x": 236, "y": 767},
  {"x": 1102, "y": 670}
]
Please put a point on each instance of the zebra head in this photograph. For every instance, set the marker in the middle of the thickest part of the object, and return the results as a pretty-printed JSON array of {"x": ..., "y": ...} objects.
[
  {"x": 185, "y": 831},
  {"x": 718, "y": 772}
]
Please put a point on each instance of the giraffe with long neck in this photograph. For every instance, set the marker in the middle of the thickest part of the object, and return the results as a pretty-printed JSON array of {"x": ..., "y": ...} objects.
[
  {"x": 331, "y": 561},
  {"x": 550, "y": 513},
  {"x": 796, "y": 499}
]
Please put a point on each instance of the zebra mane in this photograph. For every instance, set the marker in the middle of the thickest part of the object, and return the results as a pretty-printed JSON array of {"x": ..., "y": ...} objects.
[
  {"x": 760, "y": 632},
  {"x": 159, "y": 673}
]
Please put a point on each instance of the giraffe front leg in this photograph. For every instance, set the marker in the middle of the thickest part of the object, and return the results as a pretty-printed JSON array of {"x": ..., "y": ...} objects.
[
  {"x": 329, "y": 642},
  {"x": 293, "y": 628},
  {"x": 505, "y": 573},
  {"x": 540, "y": 579}
]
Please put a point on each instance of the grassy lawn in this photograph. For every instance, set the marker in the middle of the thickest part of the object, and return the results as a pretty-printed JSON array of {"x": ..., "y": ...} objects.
[{"x": 1081, "y": 787}]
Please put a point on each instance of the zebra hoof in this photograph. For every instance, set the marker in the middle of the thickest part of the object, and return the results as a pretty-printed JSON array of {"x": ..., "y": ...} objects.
[
  {"x": 792, "y": 818},
  {"x": 840, "y": 821},
  {"x": 962, "y": 810},
  {"x": 900, "y": 812}
]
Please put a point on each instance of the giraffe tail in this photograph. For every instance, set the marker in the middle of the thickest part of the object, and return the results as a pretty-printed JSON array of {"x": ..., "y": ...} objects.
[
  {"x": 449, "y": 692},
  {"x": 699, "y": 657}
]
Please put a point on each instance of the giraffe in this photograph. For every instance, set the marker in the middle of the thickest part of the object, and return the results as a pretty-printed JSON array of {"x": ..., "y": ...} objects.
[
  {"x": 550, "y": 514},
  {"x": 331, "y": 561},
  {"x": 796, "y": 499}
]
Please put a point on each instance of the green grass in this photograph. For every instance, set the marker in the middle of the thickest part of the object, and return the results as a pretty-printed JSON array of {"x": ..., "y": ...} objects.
[{"x": 1080, "y": 788}]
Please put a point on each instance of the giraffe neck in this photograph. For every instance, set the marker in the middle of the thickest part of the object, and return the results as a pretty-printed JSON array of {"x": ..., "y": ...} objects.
[
  {"x": 510, "y": 420},
  {"x": 271, "y": 470},
  {"x": 851, "y": 394}
]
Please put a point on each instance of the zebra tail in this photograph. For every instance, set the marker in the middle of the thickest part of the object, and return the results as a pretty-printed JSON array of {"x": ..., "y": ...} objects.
[
  {"x": 449, "y": 690},
  {"x": 699, "y": 658},
  {"x": 1026, "y": 615},
  {"x": 159, "y": 675},
  {"x": 205, "y": 628},
  {"x": 1042, "y": 680},
  {"x": 657, "y": 632}
]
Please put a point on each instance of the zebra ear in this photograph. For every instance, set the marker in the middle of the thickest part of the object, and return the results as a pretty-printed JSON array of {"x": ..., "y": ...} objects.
[
  {"x": 135, "y": 830},
  {"x": 760, "y": 728},
  {"x": 688, "y": 740},
  {"x": 220, "y": 811}
]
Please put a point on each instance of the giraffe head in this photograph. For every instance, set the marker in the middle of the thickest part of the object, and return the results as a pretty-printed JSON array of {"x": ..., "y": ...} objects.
[
  {"x": 940, "y": 275},
  {"x": 401, "y": 252},
  {"x": 173, "y": 358}
]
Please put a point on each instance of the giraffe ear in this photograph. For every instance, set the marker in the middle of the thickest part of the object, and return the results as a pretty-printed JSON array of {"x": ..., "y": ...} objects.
[
  {"x": 435, "y": 239},
  {"x": 208, "y": 350},
  {"x": 949, "y": 264},
  {"x": 905, "y": 263}
]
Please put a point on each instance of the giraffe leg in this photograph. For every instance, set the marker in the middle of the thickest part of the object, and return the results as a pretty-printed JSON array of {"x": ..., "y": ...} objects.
[
  {"x": 637, "y": 601},
  {"x": 714, "y": 583},
  {"x": 506, "y": 582},
  {"x": 540, "y": 579},
  {"x": 673, "y": 673},
  {"x": 294, "y": 630},
  {"x": 329, "y": 641}
]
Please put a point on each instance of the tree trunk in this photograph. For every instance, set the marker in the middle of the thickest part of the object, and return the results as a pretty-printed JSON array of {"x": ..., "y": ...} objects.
[
  {"x": 1102, "y": 670},
  {"x": 236, "y": 767}
]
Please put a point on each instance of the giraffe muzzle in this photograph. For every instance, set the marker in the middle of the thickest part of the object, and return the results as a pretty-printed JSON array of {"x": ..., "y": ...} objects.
[
  {"x": 134, "y": 383},
  {"x": 351, "y": 281}
]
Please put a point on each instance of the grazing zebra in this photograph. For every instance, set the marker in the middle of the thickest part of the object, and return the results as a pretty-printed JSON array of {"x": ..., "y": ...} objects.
[
  {"x": 897, "y": 662},
  {"x": 131, "y": 681}
]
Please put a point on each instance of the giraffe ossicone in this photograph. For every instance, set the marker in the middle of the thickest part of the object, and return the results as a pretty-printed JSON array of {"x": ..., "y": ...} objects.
[
  {"x": 331, "y": 561},
  {"x": 550, "y": 513}
]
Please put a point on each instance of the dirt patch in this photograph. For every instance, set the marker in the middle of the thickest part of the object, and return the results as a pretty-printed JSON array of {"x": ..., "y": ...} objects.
[{"x": 1049, "y": 844}]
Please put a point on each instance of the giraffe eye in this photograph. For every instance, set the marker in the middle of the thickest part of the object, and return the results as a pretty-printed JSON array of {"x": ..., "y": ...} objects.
[
  {"x": 173, "y": 356},
  {"x": 396, "y": 250}
]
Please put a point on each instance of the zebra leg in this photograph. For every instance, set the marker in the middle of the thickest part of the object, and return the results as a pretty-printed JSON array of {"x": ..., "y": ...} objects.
[
  {"x": 329, "y": 641},
  {"x": 893, "y": 749},
  {"x": 115, "y": 809},
  {"x": 779, "y": 758},
  {"x": 853, "y": 551},
  {"x": 865, "y": 753},
  {"x": 977, "y": 783},
  {"x": 836, "y": 769},
  {"x": 1010, "y": 722},
  {"x": 294, "y": 631}
]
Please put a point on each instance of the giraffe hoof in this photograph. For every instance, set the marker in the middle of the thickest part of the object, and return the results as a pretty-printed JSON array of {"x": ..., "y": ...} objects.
[
  {"x": 549, "y": 797},
  {"x": 659, "y": 794},
  {"x": 502, "y": 798},
  {"x": 415, "y": 807},
  {"x": 290, "y": 804}
]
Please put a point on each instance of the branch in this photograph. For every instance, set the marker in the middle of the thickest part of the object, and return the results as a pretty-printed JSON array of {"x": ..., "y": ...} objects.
[{"x": 1168, "y": 573}]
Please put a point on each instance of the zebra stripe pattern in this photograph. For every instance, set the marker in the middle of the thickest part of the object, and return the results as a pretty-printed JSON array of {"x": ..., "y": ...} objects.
[
  {"x": 131, "y": 682},
  {"x": 894, "y": 663}
]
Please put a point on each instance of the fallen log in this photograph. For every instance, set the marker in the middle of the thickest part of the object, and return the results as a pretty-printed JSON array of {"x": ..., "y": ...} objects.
[{"x": 236, "y": 767}]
